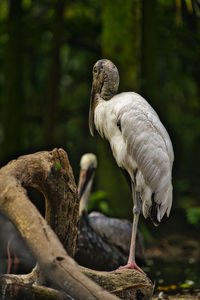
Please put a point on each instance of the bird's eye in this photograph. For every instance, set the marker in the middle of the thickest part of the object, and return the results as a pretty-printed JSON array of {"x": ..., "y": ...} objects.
[{"x": 95, "y": 70}]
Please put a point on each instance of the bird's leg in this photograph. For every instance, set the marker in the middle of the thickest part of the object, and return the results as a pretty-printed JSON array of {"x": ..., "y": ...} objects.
[{"x": 136, "y": 214}]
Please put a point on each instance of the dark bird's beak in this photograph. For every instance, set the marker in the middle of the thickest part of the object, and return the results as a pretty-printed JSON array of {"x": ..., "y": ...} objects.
[
  {"x": 84, "y": 178},
  {"x": 82, "y": 182},
  {"x": 91, "y": 111}
]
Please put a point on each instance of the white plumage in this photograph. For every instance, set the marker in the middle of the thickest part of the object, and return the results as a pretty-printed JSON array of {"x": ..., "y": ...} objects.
[
  {"x": 142, "y": 143},
  {"x": 138, "y": 139}
]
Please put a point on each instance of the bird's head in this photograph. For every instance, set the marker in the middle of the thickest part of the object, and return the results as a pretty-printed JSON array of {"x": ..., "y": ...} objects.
[{"x": 105, "y": 84}]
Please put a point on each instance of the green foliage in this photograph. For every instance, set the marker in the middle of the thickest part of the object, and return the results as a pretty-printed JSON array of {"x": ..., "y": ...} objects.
[
  {"x": 3, "y": 9},
  {"x": 121, "y": 39},
  {"x": 193, "y": 215},
  {"x": 26, "y": 4},
  {"x": 187, "y": 284},
  {"x": 98, "y": 202}
]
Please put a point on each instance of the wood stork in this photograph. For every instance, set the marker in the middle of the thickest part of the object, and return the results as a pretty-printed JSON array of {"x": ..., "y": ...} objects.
[
  {"x": 140, "y": 145},
  {"x": 88, "y": 165}
]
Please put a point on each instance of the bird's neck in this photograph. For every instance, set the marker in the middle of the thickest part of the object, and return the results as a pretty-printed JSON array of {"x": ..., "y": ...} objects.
[
  {"x": 108, "y": 90},
  {"x": 106, "y": 95},
  {"x": 83, "y": 206}
]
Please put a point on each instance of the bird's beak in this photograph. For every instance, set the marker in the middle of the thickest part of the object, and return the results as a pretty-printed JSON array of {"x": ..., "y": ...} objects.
[
  {"x": 84, "y": 178},
  {"x": 91, "y": 112},
  {"x": 82, "y": 182}
]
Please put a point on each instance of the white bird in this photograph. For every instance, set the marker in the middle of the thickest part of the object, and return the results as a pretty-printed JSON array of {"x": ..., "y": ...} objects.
[
  {"x": 140, "y": 145},
  {"x": 88, "y": 165}
]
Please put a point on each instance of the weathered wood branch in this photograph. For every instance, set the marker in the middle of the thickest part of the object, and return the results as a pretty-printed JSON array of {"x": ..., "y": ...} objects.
[
  {"x": 127, "y": 284},
  {"x": 14, "y": 287},
  {"x": 49, "y": 172},
  {"x": 56, "y": 276}
]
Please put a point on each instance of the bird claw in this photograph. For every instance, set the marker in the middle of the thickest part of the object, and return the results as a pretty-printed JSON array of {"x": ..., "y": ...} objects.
[{"x": 131, "y": 265}]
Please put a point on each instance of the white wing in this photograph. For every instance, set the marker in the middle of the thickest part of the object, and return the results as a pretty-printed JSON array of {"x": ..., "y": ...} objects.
[
  {"x": 139, "y": 140},
  {"x": 148, "y": 143}
]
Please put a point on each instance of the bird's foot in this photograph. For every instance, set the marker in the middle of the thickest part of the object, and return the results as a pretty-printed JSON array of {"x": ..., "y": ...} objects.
[{"x": 132, "y": 265}]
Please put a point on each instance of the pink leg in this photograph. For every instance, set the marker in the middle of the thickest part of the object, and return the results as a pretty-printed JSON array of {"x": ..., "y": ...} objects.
[{"x": 131, "y": 264}]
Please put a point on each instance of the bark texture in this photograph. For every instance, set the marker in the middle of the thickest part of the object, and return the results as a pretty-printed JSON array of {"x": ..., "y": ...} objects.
[{"x": 127, "y": 284}]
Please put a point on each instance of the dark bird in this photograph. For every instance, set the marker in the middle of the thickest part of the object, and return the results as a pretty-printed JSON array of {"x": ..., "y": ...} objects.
[{"x": 140, "y": 145}]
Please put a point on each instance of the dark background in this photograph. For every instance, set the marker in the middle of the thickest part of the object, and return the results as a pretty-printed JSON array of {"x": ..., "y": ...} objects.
[{"x": 47, "y": 51}]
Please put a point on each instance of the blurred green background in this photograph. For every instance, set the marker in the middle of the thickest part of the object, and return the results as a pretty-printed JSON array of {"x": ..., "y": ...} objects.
[{"x": 47, "y": 51}]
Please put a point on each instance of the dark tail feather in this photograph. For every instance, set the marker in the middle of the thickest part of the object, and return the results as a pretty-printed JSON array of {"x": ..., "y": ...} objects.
[{"x": 154, "y": 211}]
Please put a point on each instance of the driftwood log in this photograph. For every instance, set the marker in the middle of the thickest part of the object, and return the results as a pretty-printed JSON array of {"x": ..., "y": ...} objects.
[
  {"x": 56, "y": 276},
  {"x": 127, "y": 284}
]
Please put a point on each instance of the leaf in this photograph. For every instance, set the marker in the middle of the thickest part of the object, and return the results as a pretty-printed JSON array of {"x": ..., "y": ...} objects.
[{"x": 58, "y": 166}]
